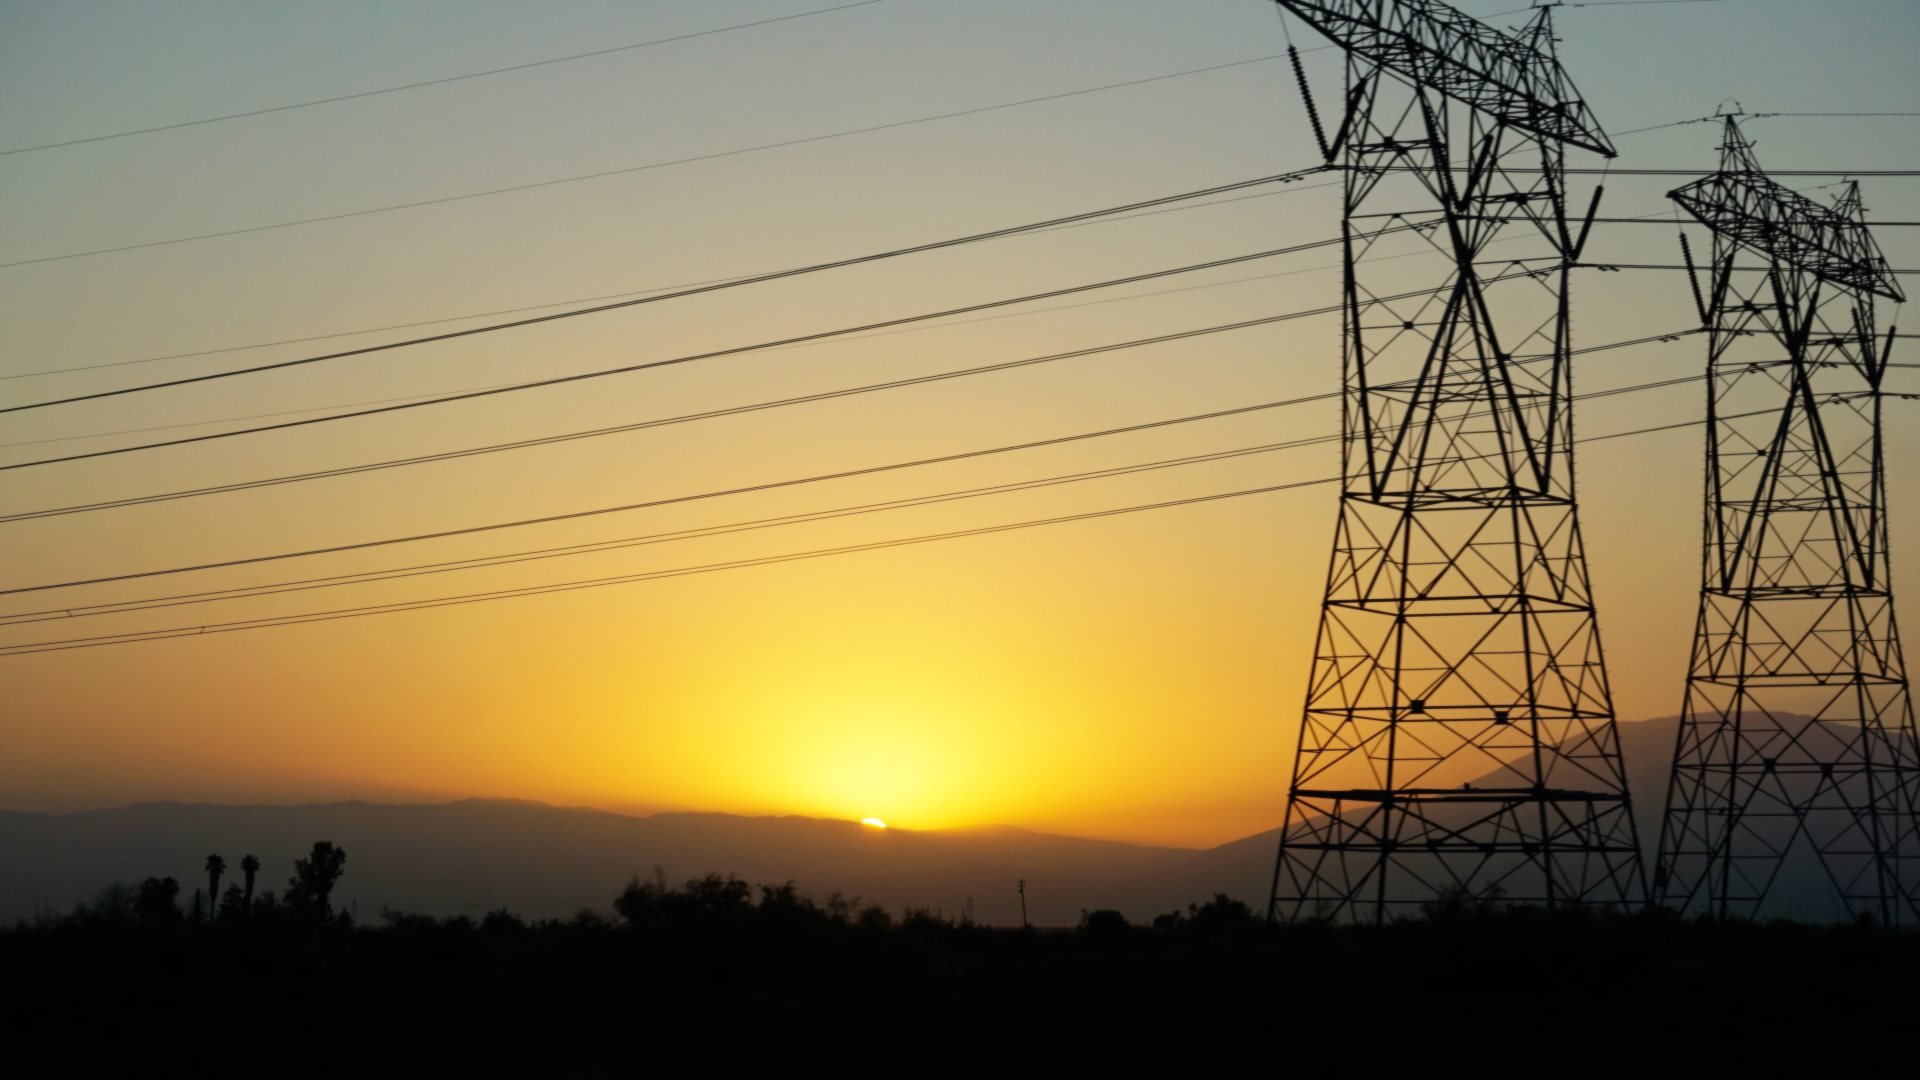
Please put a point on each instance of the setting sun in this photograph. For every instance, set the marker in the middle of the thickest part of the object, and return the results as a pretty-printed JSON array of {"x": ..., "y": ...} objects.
[{"x": 873, "y": 821}]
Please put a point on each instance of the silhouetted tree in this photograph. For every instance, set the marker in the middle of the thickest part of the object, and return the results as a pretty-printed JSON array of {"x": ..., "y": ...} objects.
[
  {"x": 502, "y": 921},
  {"x": 249, "y": 866},
  {"x": 216, "y": 866},
  {"x": 1104, "y": 925},
  {"x": 705, "y": 902},
  {"x": 310, "y": 890},
  {"x": 114, "y": 903},
  {"x": 233, "y": 905},
  {"x": 1222, "y": 914},
  {"x": 159, "y": 900}
]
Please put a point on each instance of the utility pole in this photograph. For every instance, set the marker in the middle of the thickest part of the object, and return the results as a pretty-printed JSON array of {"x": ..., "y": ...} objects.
[
  {"x": 1024, "y": 924},
  {"x": 1459, "y": 733},
  {"x": 1796, "y": 753}
]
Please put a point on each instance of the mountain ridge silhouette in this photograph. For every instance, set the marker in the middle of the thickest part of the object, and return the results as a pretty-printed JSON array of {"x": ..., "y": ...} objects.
[{"x": 472, "y": 855}]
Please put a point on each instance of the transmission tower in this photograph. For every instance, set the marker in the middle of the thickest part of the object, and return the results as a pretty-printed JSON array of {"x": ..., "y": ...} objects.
[
  {"x": 1796, "y": 754},
  {"x": 1459, "y": 735}
]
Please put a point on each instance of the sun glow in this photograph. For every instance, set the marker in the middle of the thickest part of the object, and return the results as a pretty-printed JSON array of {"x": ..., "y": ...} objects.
[{"x": 873, "y": 821}]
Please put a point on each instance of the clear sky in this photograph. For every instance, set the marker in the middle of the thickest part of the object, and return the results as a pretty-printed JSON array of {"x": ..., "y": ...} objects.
[{"x": 1137, "y": 677}]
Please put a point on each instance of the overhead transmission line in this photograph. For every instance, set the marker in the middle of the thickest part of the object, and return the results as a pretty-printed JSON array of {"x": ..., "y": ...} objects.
[
  {"x": 737, "y": 350},
  {"x": 1104, "y": 219},
  {"x": 823, "y": 335},
  {"x": 734, "y": 410},
  {"x": 764, "y": 346},
  {"x": 595, "y": 547},
  {"x": 267, "y": 622},
  {"x": 1588, "y": 4},
  {"x": 1621, "y": 171},
  {"x": 576, "y": 515},
  {"x": 921, "y": 329},
  {"x": 680, "y": 293},
  {"x": 436, "y": 82},
  {"x": 634, "y": 168},
  {"x": 1659, "y": 218},
  {"x": 665, "y": 421},
  {"x": 593, "y": 432}
]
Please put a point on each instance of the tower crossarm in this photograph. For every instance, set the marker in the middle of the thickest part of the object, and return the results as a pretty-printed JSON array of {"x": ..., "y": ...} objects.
[
  {"x": 1433, "y": 45},
  {"x": 1751, "y": 209}
]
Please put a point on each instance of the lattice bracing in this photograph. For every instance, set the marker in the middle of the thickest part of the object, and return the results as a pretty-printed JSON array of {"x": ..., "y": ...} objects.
[
  {"x": 1795, "y": 771},
  {"x": 1458, "y": 734}
]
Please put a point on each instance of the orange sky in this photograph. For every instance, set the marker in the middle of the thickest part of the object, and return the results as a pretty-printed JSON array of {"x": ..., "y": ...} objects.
[{"x": 1136, "y": 677}]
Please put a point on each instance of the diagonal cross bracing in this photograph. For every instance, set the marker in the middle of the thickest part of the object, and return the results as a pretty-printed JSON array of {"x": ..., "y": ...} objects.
[
  {"x": 1795, "y": 768},
  {"x": 1458, "y": 734}
]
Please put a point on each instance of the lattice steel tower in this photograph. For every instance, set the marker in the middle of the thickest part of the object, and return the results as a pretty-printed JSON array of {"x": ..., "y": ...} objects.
[
  {"x": 1796, "y": 747},
  {"x": 1459, "y": 731}
]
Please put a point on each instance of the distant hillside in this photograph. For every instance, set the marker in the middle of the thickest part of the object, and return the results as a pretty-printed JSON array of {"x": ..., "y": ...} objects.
[{"x": 540, "y": 861}]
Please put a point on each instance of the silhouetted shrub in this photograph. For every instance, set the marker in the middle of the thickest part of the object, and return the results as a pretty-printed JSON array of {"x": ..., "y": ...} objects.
[
  {"x": 310, "y": 890},
  {"x": 159, "y": 901},
  {"x": 708, "y": 903},
  {"x": 502, "y": 921},
  {"x": 233, "y": 905},
  {"x": 1104, "y": 924},
  {"x": 116, "y": 902},
  {"x": 1222, "y": 914},
  {"x": 923, "y": 923}
]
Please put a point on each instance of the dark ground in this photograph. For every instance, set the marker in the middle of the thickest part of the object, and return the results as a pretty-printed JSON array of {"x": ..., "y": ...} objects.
[{"x": 714, "y": 979}]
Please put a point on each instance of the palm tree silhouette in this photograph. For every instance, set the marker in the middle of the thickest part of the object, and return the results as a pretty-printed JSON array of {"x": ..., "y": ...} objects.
[
  {"x": 249, "y": 866},
  {"x": 215, "y": 867}
]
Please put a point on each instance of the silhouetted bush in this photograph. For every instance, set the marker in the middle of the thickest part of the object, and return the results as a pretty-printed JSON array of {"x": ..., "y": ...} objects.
[
  {"x": 159, "y": 901},
  {"x": 1220, "y": 915},
  {"x": 502, "y": 921},
  {"x": 233, "y": 905},
  {"x": 716, "y": 977},
  {"x": 1104, "y": 925},
  {"x": 310, "y": 890}
]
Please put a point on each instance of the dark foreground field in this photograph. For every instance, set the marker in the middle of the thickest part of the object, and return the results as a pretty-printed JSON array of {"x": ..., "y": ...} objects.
[{"x": 720, "y": 979}]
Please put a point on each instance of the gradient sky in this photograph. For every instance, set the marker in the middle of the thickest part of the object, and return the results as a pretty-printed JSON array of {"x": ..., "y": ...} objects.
[{"x": 1137, "y": 677}]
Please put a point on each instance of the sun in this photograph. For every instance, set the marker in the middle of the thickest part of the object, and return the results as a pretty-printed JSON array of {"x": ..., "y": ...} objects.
[{"x": 873, "y": 821}]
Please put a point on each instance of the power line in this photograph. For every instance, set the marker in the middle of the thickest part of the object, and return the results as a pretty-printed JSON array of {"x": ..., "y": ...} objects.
[
  {"x": 1746, "y": 269},
  {"x": 1101, "y": 220},
  {"x": 539, "y": 554},
  {"x": 572, "y": 586},
  {"x": 1618, "y": 171},
  {"x": 1590, "y": 3},
  {"x": 1669, "y": 222},
  {"x": 735, "y": 410},
  {"x": 571, "y": 436},
  {"x": 480, "y": 562},
  {"x": 651, "y": 504},
  {"x": 695, "y": 290},
  {"x": 1105, "y": 219},
  {"x": 687, "y": 359},
  {"x": 435, "y": 82},
  {"x": 855, "y": 337},
  {"x": 635, "y": 168},
  {"x": 1771, "y": 115},
  {"x": 568, "y": 436}
]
